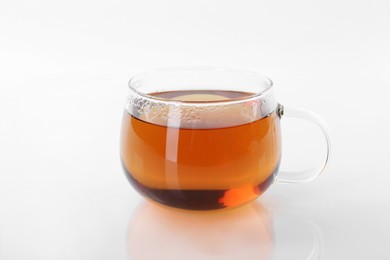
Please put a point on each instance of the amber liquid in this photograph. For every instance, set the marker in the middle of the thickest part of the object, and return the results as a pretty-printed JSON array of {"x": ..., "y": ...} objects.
[{"x": 199, "y": 169}]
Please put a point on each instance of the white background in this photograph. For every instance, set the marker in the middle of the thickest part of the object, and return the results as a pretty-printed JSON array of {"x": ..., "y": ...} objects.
[{"x": 64, "y": 67}]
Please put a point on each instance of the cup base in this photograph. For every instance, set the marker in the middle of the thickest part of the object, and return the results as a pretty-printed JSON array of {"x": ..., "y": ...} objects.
[{"x": 202, "y": 199}]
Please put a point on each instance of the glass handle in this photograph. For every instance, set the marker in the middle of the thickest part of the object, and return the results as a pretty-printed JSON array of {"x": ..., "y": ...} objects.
[{"x": 305, "y": 175}]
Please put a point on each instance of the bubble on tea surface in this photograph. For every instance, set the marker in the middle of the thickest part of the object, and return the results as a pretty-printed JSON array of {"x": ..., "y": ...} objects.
[{"x": 195, "y": 116}]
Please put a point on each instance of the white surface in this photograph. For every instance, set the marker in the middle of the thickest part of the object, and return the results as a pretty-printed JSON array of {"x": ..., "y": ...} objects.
[{"x": 64, "y": 69}]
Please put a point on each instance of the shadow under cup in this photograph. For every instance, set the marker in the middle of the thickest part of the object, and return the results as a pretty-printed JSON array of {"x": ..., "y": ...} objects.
[{"x": 201, "y": 139}]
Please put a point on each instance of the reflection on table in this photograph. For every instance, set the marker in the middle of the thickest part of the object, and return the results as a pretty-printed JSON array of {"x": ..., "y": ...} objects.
[{"x": 248, "y": 232}]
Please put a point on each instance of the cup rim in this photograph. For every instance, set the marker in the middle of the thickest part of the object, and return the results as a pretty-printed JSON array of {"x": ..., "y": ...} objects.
[{"x": 258, "y": 94}]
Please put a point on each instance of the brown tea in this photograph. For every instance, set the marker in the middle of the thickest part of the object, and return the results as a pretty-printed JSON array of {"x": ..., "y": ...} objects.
[{"x": 198, "y": 166}]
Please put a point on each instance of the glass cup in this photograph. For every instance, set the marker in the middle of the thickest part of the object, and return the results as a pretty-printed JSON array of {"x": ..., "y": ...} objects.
[{"x": 205, "y": 138}]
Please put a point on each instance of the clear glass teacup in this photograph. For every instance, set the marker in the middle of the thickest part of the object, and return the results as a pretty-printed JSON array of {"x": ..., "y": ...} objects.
[{"x": 205, "y": 138}]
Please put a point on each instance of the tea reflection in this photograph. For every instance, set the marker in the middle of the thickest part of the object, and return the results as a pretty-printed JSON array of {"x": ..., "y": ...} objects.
[
  {"x": 248, "y": 232},
  {"x": 160, "y": 233}
]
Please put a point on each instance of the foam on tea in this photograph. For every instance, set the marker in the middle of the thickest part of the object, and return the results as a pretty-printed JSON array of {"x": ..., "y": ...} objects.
[
  {"x": 196, "y": 156},
  {"x": 199, "y": 116}
]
